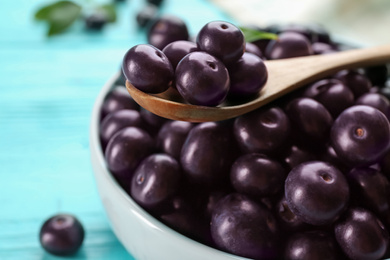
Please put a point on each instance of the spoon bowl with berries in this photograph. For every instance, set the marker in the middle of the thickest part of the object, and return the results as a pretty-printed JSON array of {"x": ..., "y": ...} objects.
[{"x": 201, "y": 85}]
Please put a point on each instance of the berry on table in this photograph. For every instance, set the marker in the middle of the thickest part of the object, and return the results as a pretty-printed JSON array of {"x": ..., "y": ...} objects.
[{"x": 62, "y": 235}]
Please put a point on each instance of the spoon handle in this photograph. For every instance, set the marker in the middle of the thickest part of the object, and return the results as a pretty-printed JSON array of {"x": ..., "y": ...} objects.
[{"x": 289, "y": 74}]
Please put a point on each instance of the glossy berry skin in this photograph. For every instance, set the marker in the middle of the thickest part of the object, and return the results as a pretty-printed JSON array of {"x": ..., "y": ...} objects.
[
  {"x": 375, "y": 100},
  {"x": 310, "y": 118},
  {"x": 257, "y": 175},
  {"x": 175, "y": 51},
  {"x": 211, "y": 88},
  {"x": 222, "y": 40},
  {"x": 358, "y": 83},
  {"x": 361, "y": 235},
  {"x": 360, "y": 135},
  {"x": 147, "y": 68},
  {"x": 118, "y": 99},
  {"x": 316, "y": 192},
  {"x": 155, "y": 180},
  {"x": 247, "y": 76},
  {"x": 146, "y": 15},
  {"x": 370, "y": 188},
  {"x": 332, "y": 93},
  {"x": 288, "y": 45},
  {"x": 116, "y": 121},
  {"x": 167, "y": 29},
  {"x": 208, "y": 153},
  {"x": 252, "y": 48},
  {"x": 243, "y": 227},
  {"x": 62, "y": 235},
  {"x": 172, "y": 136},
  {"x": 126, "y": 150},
  {"x": 311, "y": 245},
  {"x": 264, "y": 130}
]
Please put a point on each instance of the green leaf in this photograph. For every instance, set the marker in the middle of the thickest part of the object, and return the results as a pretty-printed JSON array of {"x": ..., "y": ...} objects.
[
  {"x": 252, "y": 35},
  {"x": 109, "y": 11},
  {"x": 43, "y": 13},
  {"x": 59, "y": 15}
]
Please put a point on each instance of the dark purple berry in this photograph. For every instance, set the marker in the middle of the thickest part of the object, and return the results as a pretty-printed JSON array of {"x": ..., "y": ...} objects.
[
  {"x": 172, "y": 136},
  {"x": 147, "y": 68},
  {"x": 222, "y": 40},
  {"x": 201, "y": 79},
  {"x": 116, "y": 121},
  {"x": 264, "y": 130},
  {"x": 310, "y": 118},
  {"x": 61, "y": 235},
  {"x": 311, "y": 245},
  {"x": 155, "y": 180},
  {"x": 126, "y": 149},
  {"x": 252, "y": 48},
  {"x": 370, "y": 188},
  {"x": 247, "y": 76},
  {"x": 360, "y": 135},
  {"x": 358, "y": 83},
  {"x": 316, "y": 192},
  {"x": 118, "y": 99},
  {"x": 257, "y": 175},
  {"x": 332, "y": 93},
  {"x": 175, "y": 51},
  {"x": 375, "y": 100},
  {"x": 288, "y": 45},
  {"x": 208, "y": 153},
  {"x": 167, "y": 29},
  {"x": 361, "y": 235},
  {"x": 244, "y": 227}
]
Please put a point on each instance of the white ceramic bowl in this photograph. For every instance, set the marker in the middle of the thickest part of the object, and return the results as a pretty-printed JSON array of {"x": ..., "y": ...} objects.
[{"x": 142, "y": 235}]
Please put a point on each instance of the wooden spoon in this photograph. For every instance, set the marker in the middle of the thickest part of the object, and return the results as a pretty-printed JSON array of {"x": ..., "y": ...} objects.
[{"x": 284, "y": 76}]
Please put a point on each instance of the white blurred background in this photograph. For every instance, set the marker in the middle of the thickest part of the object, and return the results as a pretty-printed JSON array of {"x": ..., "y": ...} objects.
[{"x": 364, "y": 22}]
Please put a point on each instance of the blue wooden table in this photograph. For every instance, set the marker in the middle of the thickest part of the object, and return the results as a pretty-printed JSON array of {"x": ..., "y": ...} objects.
[{"x": 47, "y": 90}]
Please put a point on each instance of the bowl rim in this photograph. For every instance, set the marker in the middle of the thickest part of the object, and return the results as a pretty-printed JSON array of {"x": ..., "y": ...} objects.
[{"x": 142, "y": 214}]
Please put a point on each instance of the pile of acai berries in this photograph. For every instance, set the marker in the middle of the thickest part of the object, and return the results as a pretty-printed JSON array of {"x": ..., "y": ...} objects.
[
  {"x": 205, "y": 72},
  {"x": 306, "y": 177}
]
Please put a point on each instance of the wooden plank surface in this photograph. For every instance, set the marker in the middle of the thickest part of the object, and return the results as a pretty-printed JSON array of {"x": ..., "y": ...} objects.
[{"x": 47, "y": 89}]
